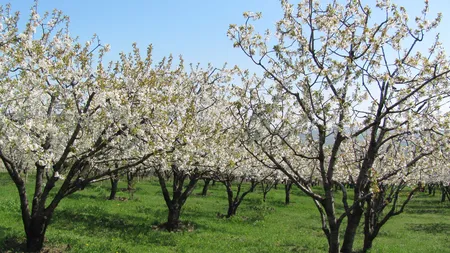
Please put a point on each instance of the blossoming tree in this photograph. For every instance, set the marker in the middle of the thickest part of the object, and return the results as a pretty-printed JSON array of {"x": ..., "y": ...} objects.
[
  {"x": 185, "y": 111},
  {"x": 342, "y": 75},
  {"x": 63, "y": 115},
  {"x": 193, "y": 128}
]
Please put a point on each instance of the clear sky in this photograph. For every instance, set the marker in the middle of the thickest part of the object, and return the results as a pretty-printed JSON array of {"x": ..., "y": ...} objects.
[{"x": 195, "y": 29}]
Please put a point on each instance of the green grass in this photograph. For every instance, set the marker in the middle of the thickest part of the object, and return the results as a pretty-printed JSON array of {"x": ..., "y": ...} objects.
[{"x": 87, "y": 222}]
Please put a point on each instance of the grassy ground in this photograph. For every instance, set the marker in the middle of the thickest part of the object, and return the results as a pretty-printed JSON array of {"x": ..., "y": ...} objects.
[{"x": 87, "y": 222}]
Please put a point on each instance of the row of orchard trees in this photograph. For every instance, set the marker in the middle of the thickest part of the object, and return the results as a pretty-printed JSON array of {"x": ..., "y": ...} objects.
[
  {"x": 346, "y": 92},
  {"x": 73, "y": 120},
  {"x": 344, "y": 99}
]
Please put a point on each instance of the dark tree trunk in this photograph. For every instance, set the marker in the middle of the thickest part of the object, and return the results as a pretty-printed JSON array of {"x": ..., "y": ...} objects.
[
  {"x": 266, "y": 186},
  {"x": 370, "y": 222},
  {"x": 368, "y": 241},
  {"x": 430, "y": 189},
  {"x": 180, "y": 193},
  {"x": 36, "y": 232},
  {"x": 36, "y": 228},
  {"x": 374, "y": 219},
  {"x": 35, "y": 242},
  {"x": 333, "y": 242},
  {"x": 231, "y": 210},
  {"x": 354, "y": 217},
  {"x": 252, "y": 181},
  {"x": 235, "y": 200},
  {"x": 445, "y": 190},
  {"x": 264, "y": 196},
  {"x": 232, "y": 202},
  {"x": 205, "y": 187},
  {"x": 353, "y": 221},
  {"x": 173, "y": 219},
  {"x": 333, "y": 233},
  {"x": 130, "y": 183},
  {"x": 114, "y": 178},
  {"x": 287, "y": 191}
]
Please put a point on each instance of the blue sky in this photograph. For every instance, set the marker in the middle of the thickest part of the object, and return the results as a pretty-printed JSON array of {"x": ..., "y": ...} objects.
[{"x": 195, "y": 29}]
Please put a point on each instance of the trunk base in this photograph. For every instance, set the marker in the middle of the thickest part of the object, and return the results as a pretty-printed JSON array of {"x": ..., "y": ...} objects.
[
  {"x": 35, "y": 244},
  {"x": 173, "y": 220},
  {"x": 367, "y": 245},
  {"x": 179, "y": 226},
  {"x": 231, "y": 211}
]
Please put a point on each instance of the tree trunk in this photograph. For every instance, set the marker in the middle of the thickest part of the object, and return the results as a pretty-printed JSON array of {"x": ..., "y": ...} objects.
[
  {"x": 173, "y": 219},
  {"x": 264, "y": 196},
  {"x": 235, "y": 201},
  {"x": 368, "y": 240},
  {"x": 36, "y": 231},
  {"x": 114, "y": 178},
  {"x": 232, "y": 208},
  {"x": 35, "y": 239},
  {"x": 205, "y": 187},
  {"x": 333, "y": 241},
  {"x": 130, "y": 183},
  {"x": 333, "y": 234},
  {"x": 445, "y": 193},
  {"x": 179, "y": 195},
  {"x": 287, "y": 190},
  {"x": 370, "y": 222},
  {"x": 350, "y": 231},
  {"x": 231, "y": 205},
  {"x": 253, "y": 181}
]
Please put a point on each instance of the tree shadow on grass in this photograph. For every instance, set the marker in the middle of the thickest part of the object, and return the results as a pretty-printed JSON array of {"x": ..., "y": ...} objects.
[
  {"x": 80, "y": 197},
  {"x": 10, "y": 241},
  {"x": 431, "y": 228},
  {"x": 425, "y": 210},
  {"x": 428, "y": 206},
  {"x": 12, "y": 244},
  {"x": 279, "y": 203},
  {"x": 101, "y": 224},
  {"x": 95, "y": 222}
]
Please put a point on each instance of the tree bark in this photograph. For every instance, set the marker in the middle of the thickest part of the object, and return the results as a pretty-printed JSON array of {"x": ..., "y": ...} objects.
[
  {"x": 235, "y": 200},
  {"x": 353, "y": 221},
  {"x": 231, "y": 205},
  {"x": 173, "y": 219},
  {"x": 266, "y": 186},
  {"x": 231, "y": 210},
  {"x": 179, "y": 195},
  {"x": 287, "y": 190},
  {"x": 130, "y": 183},
  {"x": 333, "y": 242},
  {"x": 205, "y": 187},
  {"x": 368, "y": 241},
  {"x": 114, "y": 178},
  {"x": 328, "y": 204},
  {"x": 445, "y": 192},
  {"x": 36, "y": 232}
]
